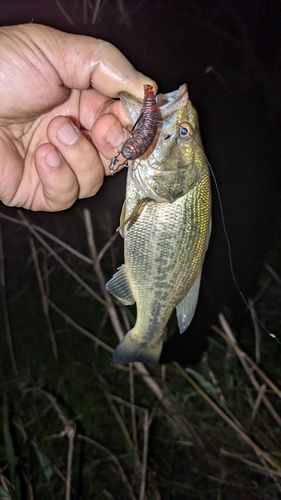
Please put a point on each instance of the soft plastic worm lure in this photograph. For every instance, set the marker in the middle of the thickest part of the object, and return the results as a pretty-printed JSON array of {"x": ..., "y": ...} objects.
[{"x": 142, "y": 134}]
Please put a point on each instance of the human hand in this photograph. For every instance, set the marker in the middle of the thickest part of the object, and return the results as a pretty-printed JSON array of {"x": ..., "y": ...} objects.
[{"x": 59, "y": 123}]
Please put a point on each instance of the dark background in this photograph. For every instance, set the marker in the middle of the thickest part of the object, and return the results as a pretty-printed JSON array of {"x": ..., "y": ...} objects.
[{"x": 229, "y": 54}]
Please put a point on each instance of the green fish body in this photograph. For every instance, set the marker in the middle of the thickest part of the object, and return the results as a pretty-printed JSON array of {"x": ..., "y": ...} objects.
[{"x": 165, "y": 222}]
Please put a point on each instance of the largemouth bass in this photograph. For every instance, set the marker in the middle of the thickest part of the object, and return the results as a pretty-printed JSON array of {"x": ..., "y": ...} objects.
[{"x": 166, "y": 223}]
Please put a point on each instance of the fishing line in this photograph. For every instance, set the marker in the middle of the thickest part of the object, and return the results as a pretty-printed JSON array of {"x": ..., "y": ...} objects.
[{"x": 229, "y": 247}]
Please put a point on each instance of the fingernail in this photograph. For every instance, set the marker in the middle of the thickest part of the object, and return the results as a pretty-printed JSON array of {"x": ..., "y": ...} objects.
[
  {"x": 68, "y": 134},
  {"x": 53, "y": 159},
  {"x": 115, "y": 136}
]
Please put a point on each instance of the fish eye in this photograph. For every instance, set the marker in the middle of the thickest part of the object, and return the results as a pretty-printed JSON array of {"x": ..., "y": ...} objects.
[{"x": 186, "y": 131}]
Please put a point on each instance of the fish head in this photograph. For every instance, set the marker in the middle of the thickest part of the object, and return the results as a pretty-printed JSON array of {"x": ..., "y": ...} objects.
[{"x": 175, "y": 160}]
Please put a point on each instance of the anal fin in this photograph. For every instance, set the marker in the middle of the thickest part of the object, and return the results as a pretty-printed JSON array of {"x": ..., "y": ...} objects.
[{"x": 131, "y": 219}]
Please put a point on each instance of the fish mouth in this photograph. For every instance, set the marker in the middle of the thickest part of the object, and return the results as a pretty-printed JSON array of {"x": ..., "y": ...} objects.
[{"x": 169, "y": 104}]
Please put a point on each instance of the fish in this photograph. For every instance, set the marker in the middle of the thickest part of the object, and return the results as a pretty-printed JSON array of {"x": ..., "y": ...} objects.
[{"x": 166, "y": 224}]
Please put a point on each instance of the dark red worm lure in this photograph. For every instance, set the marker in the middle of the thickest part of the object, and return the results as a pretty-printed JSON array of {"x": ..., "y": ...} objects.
[{"x": 143, "y": 132}]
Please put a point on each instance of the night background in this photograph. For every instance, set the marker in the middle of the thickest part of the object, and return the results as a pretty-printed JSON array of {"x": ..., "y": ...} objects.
[{"x": 74, "y": 426}]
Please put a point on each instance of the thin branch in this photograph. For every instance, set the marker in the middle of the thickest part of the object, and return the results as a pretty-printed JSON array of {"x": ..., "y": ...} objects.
[
  {"x": 69, "y": 431},
  {"x": 241, "y": 354},
  {"x": 257, "y": 332},
  {"x": 254, "y": 465},
  {"x": 238, "y": 429},
  {"x": 63, "y": 11},
  {"x": 248, "y": 370},
  {"x": 146, "y": 426},
  {"x": 257, "y": 405},
  {"x": 79, "y": 328},
  {"x": 44, "y": 299},
  {"x": 116, "y": 413},
  {"x": 133, "y": 408},
  {"x": 169, "y": 404},
  {"x": 28, "y": 484},
  {"x": 126, "y": 403},
  {"x": 273, "y": 273},
  {"x": 106, "y": 246},
  {"x": 272, "y": 475},
  {"x": 5, "y": 309},
  {"x": 71, "y": 435},
  {"x": 62, "y": 262},
  {"x": 114, "y": 459},
  {"x": 39, "y": 229},
  {"x": 97, "y": 267},
  {"x": 96, "y": 11},
  {"x": 3, "y": 481}
]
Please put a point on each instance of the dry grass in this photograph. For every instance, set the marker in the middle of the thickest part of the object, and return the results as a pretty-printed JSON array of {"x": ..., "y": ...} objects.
[
  {"x": 89, "y": 11},
  {"x": 87, "y": 429}
]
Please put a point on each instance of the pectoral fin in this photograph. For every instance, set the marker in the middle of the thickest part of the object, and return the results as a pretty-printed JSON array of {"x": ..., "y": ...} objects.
[
  {"x": 129, "y": 351},
  {"x": 186, "y": 308},
  {"x": 131, "y": 219},
  {"x": 120, "y": 288},
  {"x": 122, "y": 218}
]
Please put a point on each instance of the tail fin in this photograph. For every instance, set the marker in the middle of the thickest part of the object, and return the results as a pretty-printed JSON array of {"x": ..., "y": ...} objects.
[{"x": 129, "y": 350}]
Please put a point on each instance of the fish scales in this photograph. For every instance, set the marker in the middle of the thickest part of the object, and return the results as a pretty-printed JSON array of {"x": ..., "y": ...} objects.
[
  {"x": 176, "y": 229},
  {"x": 165, "y": 222}
]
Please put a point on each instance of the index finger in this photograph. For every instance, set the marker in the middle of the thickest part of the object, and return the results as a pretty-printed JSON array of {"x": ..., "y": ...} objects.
[{"x": 82, "y": 62}]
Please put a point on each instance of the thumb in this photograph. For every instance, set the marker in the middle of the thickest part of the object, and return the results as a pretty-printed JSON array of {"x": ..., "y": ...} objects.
[{"x": 82, "y": 62}]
